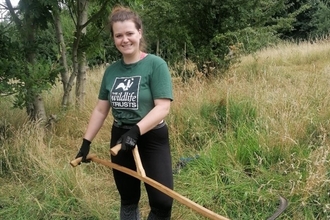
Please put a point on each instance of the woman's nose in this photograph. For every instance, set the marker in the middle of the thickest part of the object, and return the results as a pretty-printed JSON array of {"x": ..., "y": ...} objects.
[{"x": 125, "y": 38}]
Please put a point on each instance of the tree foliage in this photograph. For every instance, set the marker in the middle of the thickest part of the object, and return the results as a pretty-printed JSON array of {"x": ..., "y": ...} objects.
[
  {"x": 321, "y": 19},
  {"x": 11, "y": 61},
  {"x": 28, "y": 62},
  {"x": 210, "y": 27},
  {"x": 208, "y": 32}
]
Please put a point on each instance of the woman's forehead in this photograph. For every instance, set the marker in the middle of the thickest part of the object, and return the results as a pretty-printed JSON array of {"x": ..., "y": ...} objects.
[{"x": 120, "y": 26}]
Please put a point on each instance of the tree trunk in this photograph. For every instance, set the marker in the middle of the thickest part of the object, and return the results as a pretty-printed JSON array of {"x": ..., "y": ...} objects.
[
  {"x": 36, "y": 109},
  {"x": 157, "y": 48},
  {"x": 34, "y": 103},
  {"x": 66, "y": 99},
  {"x": 81, "y": 62},
  {"x": 78, "y": 54},
  {"x": 81, "y": 80}
]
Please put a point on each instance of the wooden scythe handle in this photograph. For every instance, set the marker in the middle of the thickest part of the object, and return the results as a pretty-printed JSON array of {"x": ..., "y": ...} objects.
[
  {"x": 183, "y": 200},
  {"x": 114, "y": 150},
  {"x": 138, "y": 162},
  {"x": 77, "y": 161}
]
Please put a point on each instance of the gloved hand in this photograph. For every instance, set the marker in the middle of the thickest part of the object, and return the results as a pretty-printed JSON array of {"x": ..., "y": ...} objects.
[
  {"x": 84, "y": 150},
  {"x": 130, "y": 138}
]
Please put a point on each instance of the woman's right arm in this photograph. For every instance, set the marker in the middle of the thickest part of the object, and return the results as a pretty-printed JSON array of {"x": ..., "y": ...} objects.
[{"x": 97, "y": 118}]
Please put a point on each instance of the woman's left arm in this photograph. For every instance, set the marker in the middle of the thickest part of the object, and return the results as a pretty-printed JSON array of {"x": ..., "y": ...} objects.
[{"x": 155, "y": 116}]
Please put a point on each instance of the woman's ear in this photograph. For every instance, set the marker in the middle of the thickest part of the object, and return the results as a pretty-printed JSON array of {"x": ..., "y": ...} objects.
[{"x": 140, "y": 31}]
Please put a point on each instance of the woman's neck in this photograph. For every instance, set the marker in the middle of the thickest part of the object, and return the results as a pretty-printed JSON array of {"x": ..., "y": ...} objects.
[{"x": 129, "y": 59}]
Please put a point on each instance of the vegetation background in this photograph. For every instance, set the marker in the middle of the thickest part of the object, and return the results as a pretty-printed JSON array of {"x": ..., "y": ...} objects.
[
  {"x": 250, "y": 120},
  {"x": 260, "y": 131}
]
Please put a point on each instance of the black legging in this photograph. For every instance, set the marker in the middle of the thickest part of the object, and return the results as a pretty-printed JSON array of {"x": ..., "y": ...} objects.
[{"x": 156, "y": 159}]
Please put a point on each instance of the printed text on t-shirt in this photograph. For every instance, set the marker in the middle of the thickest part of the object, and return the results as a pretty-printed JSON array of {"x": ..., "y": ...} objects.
[{"x": 125, "y": 92}]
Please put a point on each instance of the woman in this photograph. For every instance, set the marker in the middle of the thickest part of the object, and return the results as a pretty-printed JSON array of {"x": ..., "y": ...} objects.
[{"x": 138, "y": 89}]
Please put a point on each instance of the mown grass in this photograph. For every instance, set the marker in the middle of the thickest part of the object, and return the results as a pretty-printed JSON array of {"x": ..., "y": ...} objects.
[{"x": 259, "y": 131}]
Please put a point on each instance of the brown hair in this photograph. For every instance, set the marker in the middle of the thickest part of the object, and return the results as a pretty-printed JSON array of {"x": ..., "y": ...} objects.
[{"x": 121, "y": 13}]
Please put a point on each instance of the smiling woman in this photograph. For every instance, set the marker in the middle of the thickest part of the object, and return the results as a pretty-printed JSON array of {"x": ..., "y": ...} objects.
[
  {"x": 138, "y": 90},
  {"x": 127, "y": 40}
]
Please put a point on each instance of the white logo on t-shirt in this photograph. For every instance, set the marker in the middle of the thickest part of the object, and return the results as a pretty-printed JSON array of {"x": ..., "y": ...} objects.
[
  {"x": 124, "y": 93},
  {"x": 124, "y": 86}
]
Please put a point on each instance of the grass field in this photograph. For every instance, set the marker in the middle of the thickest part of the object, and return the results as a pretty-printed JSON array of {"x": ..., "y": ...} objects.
[{"x": 242, "y": 139}]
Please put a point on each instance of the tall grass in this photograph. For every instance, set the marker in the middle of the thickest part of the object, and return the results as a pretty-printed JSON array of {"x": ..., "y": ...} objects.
[{"x": 259, "y": 131}]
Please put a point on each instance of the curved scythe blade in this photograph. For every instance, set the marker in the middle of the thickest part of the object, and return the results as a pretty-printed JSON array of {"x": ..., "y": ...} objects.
[{"x": 282, "y": 206}]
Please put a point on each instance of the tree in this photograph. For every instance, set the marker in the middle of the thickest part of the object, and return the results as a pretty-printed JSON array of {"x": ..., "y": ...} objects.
[
  {"x": 62, "y": 51},
  {"x": 210, "y": 27},
  {"x": 165, "y": 35},
  {"x": 11, "y": 62},
  {"x": 35, "y": 73},
  {"x": 311, "y": 19},
  {"x": 79, "y": 12},
  {"x": 321, "y": 19}
]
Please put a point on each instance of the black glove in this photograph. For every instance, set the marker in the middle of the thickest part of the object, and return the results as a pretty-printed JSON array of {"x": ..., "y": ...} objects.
[
  {"x": 84, "y": 150},
  {"x": 130, "y": 138}
]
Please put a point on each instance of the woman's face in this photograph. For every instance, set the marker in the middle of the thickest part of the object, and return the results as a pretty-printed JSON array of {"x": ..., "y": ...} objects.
[{"x": 126, "y": 37}]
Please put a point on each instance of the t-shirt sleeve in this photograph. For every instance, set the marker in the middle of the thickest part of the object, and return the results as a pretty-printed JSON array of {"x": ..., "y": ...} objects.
[
  {"x": 103, "y": 92},
  {"x": 161, "y": 82}
]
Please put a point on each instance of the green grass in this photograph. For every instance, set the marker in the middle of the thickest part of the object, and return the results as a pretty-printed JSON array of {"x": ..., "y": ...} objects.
[{"x": 259, "y": 131}]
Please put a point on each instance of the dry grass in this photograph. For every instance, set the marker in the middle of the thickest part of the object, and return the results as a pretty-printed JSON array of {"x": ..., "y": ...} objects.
[{"x": 288, "y": 85}]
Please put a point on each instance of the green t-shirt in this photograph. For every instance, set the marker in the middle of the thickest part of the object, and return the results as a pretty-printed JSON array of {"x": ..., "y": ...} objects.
[{"x": 132, "y": 88}]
